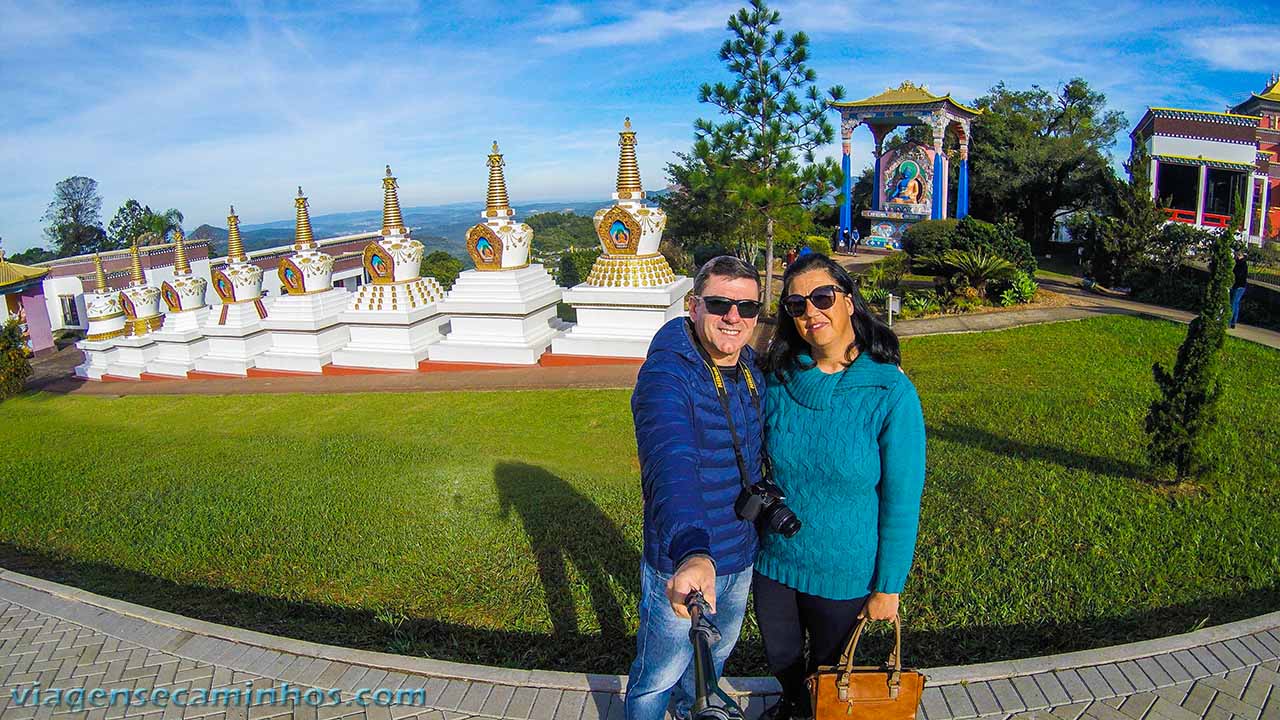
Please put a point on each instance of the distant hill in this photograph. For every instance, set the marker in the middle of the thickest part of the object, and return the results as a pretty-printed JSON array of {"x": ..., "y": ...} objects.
[{"x": 439, "y": 227}]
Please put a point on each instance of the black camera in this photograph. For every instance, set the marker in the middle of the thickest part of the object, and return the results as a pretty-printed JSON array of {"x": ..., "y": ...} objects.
[{"x": 764, "y": 504}]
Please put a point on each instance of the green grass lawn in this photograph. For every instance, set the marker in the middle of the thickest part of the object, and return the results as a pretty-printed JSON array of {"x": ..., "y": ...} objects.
[{"x": 505, "y": 528}]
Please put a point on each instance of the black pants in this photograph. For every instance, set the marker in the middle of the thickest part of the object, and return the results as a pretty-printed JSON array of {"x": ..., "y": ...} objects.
[{"x": 785, "y": 617}]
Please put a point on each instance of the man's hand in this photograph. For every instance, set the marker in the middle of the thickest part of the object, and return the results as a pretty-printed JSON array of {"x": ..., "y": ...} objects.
[
  {"x": 695, "y": 573},
  {"x": 880, "y": 606}
]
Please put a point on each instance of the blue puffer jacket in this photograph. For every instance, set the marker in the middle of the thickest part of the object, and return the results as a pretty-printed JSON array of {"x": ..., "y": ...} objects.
[{"x": 687, "y": 466}]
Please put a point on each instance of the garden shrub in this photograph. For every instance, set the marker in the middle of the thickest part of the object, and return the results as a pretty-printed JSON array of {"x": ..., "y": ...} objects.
[
  {"x": 929, "y": 237},
  {"x": 974, "y": 234},
  {"x": 1021, "y": 290},
  {"x": 15, "y": 368},
  {"x": 818, "y": 244},
  {"x": 886, "y": 273}
]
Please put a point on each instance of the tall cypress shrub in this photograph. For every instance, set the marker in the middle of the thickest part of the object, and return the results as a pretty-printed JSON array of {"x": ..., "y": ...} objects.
[
  {"x": 1179, "y": 421},
  {"x": 15, "y": 368}
]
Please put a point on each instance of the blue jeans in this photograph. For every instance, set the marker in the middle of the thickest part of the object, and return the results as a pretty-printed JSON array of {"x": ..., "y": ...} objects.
[
  {"x": 664, "y": 655},
  {"x": 1237, "y": 294}
]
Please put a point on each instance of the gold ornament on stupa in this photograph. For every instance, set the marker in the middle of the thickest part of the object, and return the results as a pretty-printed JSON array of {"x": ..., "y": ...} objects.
[
  {"x": 628, "y": 169},
  {"x": 99, "y": 275},
  {"x": 141, "y": 301},
  {"x": 181, "y": 266},
  {"x": 235, "y": 244},
  {"x": 498, "y": 243},
  {"x": 496, "y": 202},
  {"x": 135, "y": 265},
  {"x": 303, "y": 239},
  {"x": 392, "y": 222}
]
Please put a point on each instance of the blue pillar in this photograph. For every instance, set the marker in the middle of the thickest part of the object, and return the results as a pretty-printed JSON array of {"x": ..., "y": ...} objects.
[
  {"x": 875, "y": 187},
  {"x": 846, "y": 204},
  {"x": 962, "y": 193},
  {"x": 939, "y": 187}
]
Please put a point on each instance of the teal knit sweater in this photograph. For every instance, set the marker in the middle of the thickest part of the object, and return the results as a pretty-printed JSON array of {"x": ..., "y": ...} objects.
[{"x": 848, "y": 451}]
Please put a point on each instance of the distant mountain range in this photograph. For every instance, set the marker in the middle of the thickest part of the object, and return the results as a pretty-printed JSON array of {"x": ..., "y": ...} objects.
[{"x": 438, "y": 227}]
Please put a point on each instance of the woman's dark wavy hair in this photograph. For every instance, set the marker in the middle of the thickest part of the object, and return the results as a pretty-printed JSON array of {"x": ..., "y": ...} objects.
[{"x": 871, "y": 334}]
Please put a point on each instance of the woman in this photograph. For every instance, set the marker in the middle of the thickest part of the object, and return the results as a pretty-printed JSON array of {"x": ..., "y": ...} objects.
[{"x": 845, "y": 435}]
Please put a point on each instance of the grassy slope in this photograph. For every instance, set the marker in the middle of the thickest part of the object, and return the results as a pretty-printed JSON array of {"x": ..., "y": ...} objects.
[{"x": 505, "y": 528}]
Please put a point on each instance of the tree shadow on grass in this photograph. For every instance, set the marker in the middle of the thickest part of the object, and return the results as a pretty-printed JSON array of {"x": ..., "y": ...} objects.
[
  {"x": 563, "y": 527},
  {"x": 1017, "y": 450}
]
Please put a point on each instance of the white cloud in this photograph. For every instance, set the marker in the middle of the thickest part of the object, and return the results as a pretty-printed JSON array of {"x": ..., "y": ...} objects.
[
  {"x": 1241, "y": 47},
  {"x": 643, "y": 26}
]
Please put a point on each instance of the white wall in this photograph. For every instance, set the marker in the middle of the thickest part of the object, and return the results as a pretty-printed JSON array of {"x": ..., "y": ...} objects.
[
  {"x": 1208, "y": 149},
  {"x": 55, "y": 287}
]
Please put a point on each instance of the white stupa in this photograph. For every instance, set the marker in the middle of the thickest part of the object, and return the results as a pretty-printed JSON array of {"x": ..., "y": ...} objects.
[
  {"x": 504, "y": 311},
  {"x": 106, "y": 326},
  {"x": 181, "y": 340},
  {"x": 234, "y": 327},
  {"x": 141, "y": 302},
  {"x": 394, "y": 317},
  {"x": 306, "y": 323},
  {"x": 631, "y": 291}
]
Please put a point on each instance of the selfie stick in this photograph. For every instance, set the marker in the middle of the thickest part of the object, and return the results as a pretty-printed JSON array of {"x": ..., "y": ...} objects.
[{"x": 710, "y": 703}]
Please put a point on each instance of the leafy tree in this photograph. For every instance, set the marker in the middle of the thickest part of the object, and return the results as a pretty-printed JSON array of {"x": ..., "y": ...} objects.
[
  {"x": 442, "y": 266},
  {"x": 73, "y": 217},
  {"x": 575, "y": 266},
  {"x": 31, "y": 256},
  {"x": 1039, "y": 155},
  {"x": 128, "y": 223},
  {"x": 157, "y": 227},
  {"x": 762, "y": 153},
  {"x": 1178, "y": 422},
  {"x": 15, "y": 368},
  {"x": 1127, "y": 237}
]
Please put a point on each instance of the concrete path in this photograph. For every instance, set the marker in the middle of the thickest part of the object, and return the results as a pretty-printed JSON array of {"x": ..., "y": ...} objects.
[{"x": 64, "y": 638}]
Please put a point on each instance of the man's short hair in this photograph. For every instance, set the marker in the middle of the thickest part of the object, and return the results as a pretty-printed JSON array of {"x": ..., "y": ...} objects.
[{"x": 726, "y": 266}]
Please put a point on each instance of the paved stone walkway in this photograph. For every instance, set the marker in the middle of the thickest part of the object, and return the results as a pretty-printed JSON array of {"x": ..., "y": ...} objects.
[{"x": 64, "y": 638}]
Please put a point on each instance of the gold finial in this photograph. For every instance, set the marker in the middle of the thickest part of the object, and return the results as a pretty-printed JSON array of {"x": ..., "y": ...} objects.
[
  {"x": 628, "y": 170},
  {"x": 496, "y": 199},
  {"x": 391, "y": 219},
  {"x": 180, "y": 264},
  {"x": 100, "y": 275},
  {"x": 302, "y": 237},
  {"x": 235, "y": 245},
  {"x": 135, "y": 265}
]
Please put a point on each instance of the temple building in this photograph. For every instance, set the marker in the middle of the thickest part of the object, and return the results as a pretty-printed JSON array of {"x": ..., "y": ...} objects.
[
  {"x": 911, "y": 182},
  {"x": 1203, "y": 161},
  {"x": 23, "y": 290}
]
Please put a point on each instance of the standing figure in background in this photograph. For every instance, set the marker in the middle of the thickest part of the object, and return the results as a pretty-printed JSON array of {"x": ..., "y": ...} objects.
[{"x": 1241, "y": 271}]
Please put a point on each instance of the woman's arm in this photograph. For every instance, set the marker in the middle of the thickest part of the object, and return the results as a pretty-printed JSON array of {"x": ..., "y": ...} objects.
[{"x": 902, "y": 466}]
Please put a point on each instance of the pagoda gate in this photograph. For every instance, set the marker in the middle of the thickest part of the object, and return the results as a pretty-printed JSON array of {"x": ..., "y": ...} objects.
[{"x": 911, "y": 182}]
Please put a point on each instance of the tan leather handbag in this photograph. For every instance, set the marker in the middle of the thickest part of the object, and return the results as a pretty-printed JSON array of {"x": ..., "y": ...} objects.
[{"x": 866, "y": 692}]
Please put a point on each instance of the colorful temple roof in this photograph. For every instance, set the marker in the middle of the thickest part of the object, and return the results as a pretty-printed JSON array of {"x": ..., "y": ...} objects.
[
  {"x": 1206, "y": 115},
  {"x": 1210, "y": 162},
  {"x": 908, "y": 94},
  {"x": 13, "y": 275}
]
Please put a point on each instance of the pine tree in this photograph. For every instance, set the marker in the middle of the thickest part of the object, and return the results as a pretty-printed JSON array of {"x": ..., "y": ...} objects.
[
  {"x": 15, "y": 368},
  {"x": 1179, "y": 421},
  {"x": 1127, "y": 237}
]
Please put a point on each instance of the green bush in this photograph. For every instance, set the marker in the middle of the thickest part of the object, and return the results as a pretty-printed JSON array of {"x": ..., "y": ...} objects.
[
  {"x": 874, "y": 295},
  {"x": 929, "y": 237},
  {"x": 1021, "y": 290},
  {"x": 681, "y": 261},
  {"x": 921, "y": 302},
  {"x": 442, "y": 266},
  {"x": 886, "y": 273},
  {"x": 974, "y": 234},
  {"x": 15, "y": 368},
  {"x": 818, "y": 244},
  {"x": 575, "y": 266}
]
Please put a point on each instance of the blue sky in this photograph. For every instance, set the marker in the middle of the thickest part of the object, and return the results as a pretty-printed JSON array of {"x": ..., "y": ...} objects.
[{"x": 200, "y": 106}]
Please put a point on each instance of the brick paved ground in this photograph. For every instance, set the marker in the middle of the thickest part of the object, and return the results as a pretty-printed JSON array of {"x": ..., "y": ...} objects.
[{"x": 65, "y": 638}]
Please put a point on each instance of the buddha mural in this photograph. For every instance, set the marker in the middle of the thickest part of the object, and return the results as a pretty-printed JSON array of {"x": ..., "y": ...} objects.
[{"x": 908, "y": 188}]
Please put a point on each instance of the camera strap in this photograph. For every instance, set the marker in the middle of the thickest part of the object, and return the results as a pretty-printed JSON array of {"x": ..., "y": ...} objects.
[{"x": 722, "y": 394}]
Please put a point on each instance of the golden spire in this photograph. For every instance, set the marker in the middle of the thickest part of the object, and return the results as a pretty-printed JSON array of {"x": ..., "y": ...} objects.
[
  {"x": 302, "y": 237},
  {"x": 235, "y": 245},
  {"x": 628, "y": 170},
  {"x": 100, "y": 275},
  {"x": 391, "y": 219},
  {"x": 496, "y": 200},
  {"x": 180, "y": 264},
  {"x": 135, "y": 265}
]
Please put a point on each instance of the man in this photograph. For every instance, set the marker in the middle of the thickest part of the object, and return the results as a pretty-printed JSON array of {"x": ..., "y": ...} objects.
[
  {"x": 693, "y": 539},
  {"x": 1241, "y": 271},
  {"x": 857, "y": 238}
]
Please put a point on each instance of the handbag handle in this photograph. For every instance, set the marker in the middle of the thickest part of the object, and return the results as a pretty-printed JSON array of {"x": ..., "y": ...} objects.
[{"x": 895, "y": 658}]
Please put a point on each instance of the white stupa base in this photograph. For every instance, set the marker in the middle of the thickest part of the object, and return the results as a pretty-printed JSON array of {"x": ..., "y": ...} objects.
[
  {"x": 179, "y": 343},
  {"x": 235, "y": 317},
  {"x": 183, "y": 321},
  {"x": 390, "y": 339},
  {"x": 619, "y": 322},
  {"x": 98, "y": 355},
  {"x": 133, "y": 353},
  {"x": 233, "y": 352},
  {"x": 500, "y": 317},
  {"x": 304, "y": 331}
]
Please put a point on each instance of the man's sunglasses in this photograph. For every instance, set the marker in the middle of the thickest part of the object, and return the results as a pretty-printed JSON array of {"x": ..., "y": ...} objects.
[
  {"x": 821, "y": 297},
  {"x": 717, "y": 305}
]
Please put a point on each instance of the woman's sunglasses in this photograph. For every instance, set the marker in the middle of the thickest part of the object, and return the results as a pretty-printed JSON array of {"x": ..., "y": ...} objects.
[
  {"x": 821, "y": 297},
  {"x": 717, "y": 305}
]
